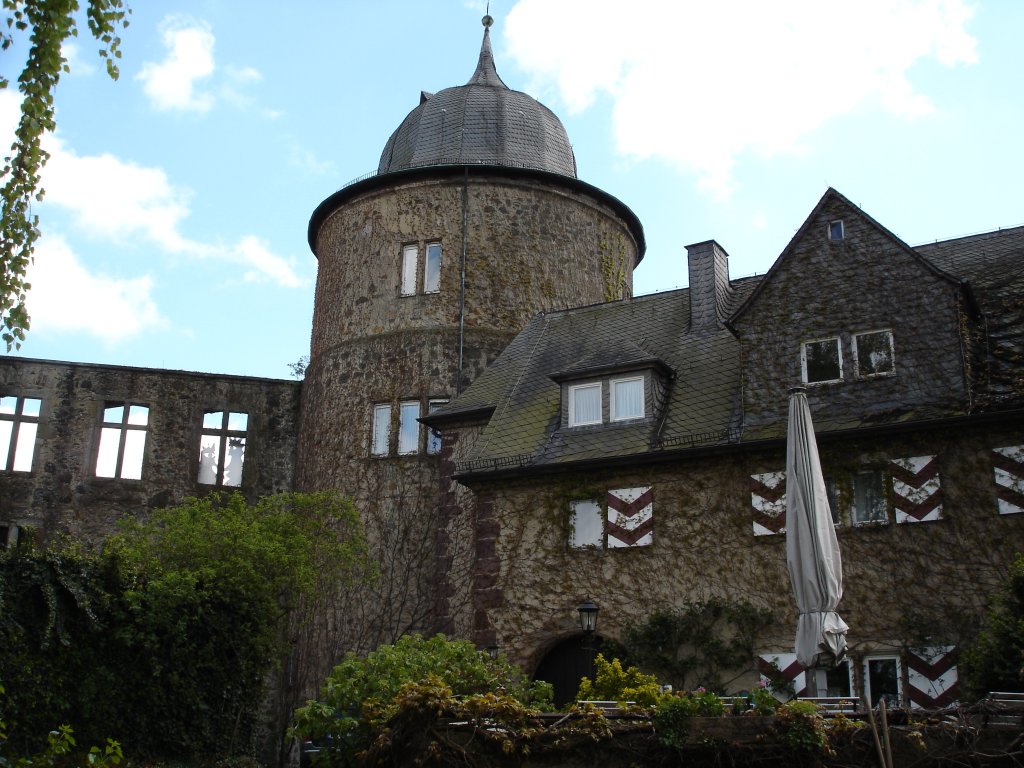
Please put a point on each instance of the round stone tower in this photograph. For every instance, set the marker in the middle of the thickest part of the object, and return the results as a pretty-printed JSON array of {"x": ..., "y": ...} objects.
[{"x": 474, "y": 222}]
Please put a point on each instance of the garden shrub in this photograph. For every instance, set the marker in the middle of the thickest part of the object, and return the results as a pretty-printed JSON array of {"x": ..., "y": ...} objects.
[{"x": 613, "y": 683}]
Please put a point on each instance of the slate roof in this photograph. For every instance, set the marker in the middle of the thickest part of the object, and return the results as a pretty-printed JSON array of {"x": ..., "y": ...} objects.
[
  {"x": 522, "y": 396},
  {"x": 481, "y": 122}
]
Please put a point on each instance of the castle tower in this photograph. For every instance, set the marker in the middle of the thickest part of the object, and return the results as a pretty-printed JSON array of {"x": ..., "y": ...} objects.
[{"x": 474, "y": 222}]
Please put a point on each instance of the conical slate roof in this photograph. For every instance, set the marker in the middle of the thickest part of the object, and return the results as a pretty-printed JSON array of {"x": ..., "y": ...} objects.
[{"x": 482, "y": 122}]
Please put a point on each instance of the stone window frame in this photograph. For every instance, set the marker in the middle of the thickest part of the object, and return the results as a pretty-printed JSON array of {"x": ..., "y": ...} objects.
[
  {"x": 225, "y": 437},
  {"x": 856, "y": 354},
  {"x": 123, "y": 431},
  {"x": 24, "y": 433},
  {"x": 839, "y": 356}
]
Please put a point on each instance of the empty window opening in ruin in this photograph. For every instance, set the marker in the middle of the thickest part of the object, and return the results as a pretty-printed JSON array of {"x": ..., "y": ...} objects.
[
  {"x": 222, "y": 448},
  {"x": 122, "y": 441},
  {"x": 19, "y": 424}
]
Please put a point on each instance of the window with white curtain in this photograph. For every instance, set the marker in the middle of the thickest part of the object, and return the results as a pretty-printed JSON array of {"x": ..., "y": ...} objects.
[
  {"x": 381, "y": 430},
  {"x": 410, "y": 259},
  {"x": 584, "y": 404},
  {"x": 627, "y": 398},
  {"x": 409, "y": 427}
]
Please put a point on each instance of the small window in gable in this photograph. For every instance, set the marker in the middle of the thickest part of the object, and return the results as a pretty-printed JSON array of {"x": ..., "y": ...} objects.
[
  {"x": 627, "y": 398},
  {"x": 409, "y": 427},
  {"x": 432, "y": 269},
  {"x": 381, "y": 441},
  {"x": 821, "y": 361},
  {"x": 584, "y": 404},
  {"x": 19, "y": 422},
  {"x": 122, "y": 441},
  {"x": 835, "y": 230},
  {"x": 873, "y": 353},
  {"x": 586, "y": 525},
  {"x": 222, "y": 448},
  {"x": 410, "y": 259}
]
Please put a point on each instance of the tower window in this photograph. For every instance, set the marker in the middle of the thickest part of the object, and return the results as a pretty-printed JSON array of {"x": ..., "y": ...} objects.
[
  {"x": 122, "y": 441},
  {"x": 222, "y": 448},
  {"x": 19, "y": 422},
  {"x": 433, "y": 436},
  {"x": 381, "y": 445},
  {"x": 409, "y": 427},
  {"x": 410, "y": 259},
  {"x": 432, "y": 269}
]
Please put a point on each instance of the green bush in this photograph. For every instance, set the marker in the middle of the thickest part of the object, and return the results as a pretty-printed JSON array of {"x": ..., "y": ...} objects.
[
  {"x": 995, "y": 661},
  {"x": 362, "y": 693},
  {"x": 613, "y": 683},
  {"x": 802, "y": 727},
  {"x": 167, "y": 635}
]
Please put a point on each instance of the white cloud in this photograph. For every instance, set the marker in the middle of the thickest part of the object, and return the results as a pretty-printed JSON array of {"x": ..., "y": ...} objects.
[
  {"x": 173, "y": 83},
  {"x": 264, "y": 264},
  {"x": 304, "y": 159},
  {"x": 700, "y": 84},
  {"x": 65, "y": 296}
]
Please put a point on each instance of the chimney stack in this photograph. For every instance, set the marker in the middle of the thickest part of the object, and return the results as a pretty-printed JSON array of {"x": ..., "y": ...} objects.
[{"x": 708, "y": 265}]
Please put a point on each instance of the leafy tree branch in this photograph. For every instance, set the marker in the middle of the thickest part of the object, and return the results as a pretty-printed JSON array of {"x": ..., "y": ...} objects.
[{"x": 47, "y": 24}]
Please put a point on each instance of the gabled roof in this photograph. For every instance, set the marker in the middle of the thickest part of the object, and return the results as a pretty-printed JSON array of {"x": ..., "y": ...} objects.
[{"x": 831, "y": 196}]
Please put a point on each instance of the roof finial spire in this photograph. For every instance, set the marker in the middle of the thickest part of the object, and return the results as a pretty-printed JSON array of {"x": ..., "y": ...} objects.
[
  {"x": 485, "y": 73},
  {"x": 487, "y": 19}
]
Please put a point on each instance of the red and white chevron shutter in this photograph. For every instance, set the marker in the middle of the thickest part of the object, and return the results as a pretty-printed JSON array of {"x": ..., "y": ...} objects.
[
  {"x": 791, "y": 669},
  {"x": 630, "y": 517},
  {"x": 933, "y": 676},
  {"x": 1008, "y": 464},
  {"x": 768, "y": 503},
  {"x": 916, "y": 489}
]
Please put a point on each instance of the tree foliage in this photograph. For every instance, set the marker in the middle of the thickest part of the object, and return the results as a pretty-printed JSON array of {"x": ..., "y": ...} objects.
[
  {"x": 47, "y": 24},
  {"x": 165, "y": 638},
  {"x": 995, "y": 661}
]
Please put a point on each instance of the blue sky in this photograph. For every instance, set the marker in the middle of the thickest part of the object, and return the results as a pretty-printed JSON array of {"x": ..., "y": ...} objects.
[{"x": 178, "y": 197}]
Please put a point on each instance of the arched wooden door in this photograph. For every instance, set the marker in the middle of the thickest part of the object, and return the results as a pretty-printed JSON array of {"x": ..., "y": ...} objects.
[{"x": 566, "y": 664}]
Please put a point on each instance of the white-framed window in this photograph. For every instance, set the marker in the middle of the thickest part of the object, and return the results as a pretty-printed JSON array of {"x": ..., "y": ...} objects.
[
  {"x": 122, "y": 441},
  {"x": 433, "y": 436},
  {"x": 222, "y": 448},
  {"x": 19, "y": 424},
  {"x": 432, "y": 269},
  {"x": 882, "y": 679},
  {"x": 380, "y": 444},
  {"x": 821, "y": 361},
  {"x": 836, "y": 230},
  {"x": 873, "y": 353},
  {"x": 584, "y": 404},
  {"x": 408, "y": 427},
  {"x": 869, "y": 504},
  {"x": 586, "y": 525},
  {"x": 627, "y": 398},
  {"x": 410, "y": 261}
]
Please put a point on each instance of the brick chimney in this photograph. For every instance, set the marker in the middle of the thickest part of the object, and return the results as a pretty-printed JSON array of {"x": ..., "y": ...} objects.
[{"x": 708, "y": 265}]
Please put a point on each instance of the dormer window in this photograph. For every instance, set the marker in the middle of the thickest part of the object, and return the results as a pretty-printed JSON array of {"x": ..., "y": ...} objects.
[
  {"x": 835, "y": 230},
  {"x": 627, "y": 398},
  {"x": 584, "y": 404}
]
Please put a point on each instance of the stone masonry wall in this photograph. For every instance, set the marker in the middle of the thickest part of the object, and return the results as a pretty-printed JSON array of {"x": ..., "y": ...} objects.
[
  {"x": 908, "y": 584},
  {"x": 865, "y": 282},
  {"x": 61, "y": 492}
]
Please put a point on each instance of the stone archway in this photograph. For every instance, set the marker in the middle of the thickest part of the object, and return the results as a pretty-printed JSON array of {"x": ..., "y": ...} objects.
[{"x": 566, "y": 663}]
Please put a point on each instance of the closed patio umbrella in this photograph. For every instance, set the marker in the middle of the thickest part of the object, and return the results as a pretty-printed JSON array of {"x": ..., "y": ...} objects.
[{"x": 812, "y": 550}]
